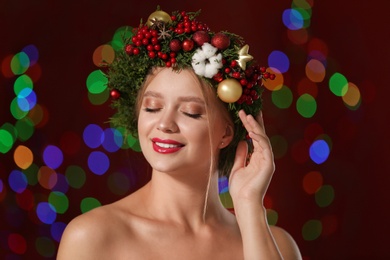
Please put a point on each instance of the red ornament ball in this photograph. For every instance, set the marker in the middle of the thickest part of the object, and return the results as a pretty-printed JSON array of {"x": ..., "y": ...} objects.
[
  {"x": 200, "y": 37},
  {"x": 220, "y": 41},
  {"x": 188, "y": 45},
  {"x": 175, "y": 45},
  {"x": 115, "y": 94}
]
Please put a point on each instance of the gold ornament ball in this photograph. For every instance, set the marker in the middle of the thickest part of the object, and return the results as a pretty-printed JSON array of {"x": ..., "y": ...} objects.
[
  {"x": 158, "y": 16},
  {"x": 229, "y": 90}
]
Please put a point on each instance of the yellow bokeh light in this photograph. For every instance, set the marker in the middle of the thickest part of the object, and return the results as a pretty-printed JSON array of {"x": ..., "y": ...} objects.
[
  {"x": 47, "y": 177},
  {"x": 352, "y": 97},
  {"x": 315, "y": 70},
  {"x": 23, "y": 157},
  {"x": 103, "y": 54}
]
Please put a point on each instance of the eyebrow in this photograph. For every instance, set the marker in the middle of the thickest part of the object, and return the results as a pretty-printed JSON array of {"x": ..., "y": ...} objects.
[{"x": 181, "y": 99}]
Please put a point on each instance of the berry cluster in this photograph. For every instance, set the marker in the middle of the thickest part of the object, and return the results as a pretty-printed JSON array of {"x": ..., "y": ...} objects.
[
  {"x": 187, "y": 25},
  {"x": 150, "y": 38},
  {"x": 249, "y": 78}
]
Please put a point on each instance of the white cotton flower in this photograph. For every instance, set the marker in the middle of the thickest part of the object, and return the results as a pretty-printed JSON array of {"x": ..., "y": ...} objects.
[{"x": 204, "y": 61}]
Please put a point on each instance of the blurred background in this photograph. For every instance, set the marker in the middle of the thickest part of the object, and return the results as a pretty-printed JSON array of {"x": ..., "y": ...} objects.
[{"x": 326, "y": 116}]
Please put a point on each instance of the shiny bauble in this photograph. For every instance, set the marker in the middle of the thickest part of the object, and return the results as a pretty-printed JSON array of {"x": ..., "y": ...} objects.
[
  {"x": 220, "y": 41},
  {"x": 200, "y": 37},
  {"x": 158, "y": 16},
  {"x": 229, "y": 90},
  {"x": 175, "y": 45},
  {"x": 188, "y": 45}
]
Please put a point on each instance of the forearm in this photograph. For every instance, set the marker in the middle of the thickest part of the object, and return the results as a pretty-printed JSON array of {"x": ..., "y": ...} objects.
[{"x": 258, "y": 241}]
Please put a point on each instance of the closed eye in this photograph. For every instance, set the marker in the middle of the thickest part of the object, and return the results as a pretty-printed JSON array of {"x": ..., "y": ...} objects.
[
  {"x": 195, "y": 116},
  {"x": 151, "y": 110}
]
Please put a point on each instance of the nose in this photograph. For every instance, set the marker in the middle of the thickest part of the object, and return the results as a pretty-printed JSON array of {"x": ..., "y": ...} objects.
[{"x": 167, "y": 123}]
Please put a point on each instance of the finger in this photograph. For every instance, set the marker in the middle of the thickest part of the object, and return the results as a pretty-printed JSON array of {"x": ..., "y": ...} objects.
[
  {"x": 260, "y": 120},
  {"x": 241, "y": 154},
  {"x": 251, "y": 124}
]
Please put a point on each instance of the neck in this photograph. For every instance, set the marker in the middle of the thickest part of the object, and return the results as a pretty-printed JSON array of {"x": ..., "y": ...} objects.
[{"x": 182, "y": 199}]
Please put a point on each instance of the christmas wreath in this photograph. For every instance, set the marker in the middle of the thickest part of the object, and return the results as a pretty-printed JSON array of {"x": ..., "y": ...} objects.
[{"x": 181, "y": 41}]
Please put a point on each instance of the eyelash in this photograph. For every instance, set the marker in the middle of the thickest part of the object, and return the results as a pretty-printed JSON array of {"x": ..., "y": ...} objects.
[{"x": 195, "y": 116}]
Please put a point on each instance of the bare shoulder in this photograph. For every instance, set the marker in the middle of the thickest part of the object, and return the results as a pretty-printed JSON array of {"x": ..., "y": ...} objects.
[
  {"x": 286, "y": 243},
  {"x": 86, "y": 234}
]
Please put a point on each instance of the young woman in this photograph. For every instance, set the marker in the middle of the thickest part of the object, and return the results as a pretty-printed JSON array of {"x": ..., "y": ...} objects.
[{"x": 188, "y": 129}]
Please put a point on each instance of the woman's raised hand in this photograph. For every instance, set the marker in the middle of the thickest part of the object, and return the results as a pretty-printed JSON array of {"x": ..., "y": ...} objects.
[{"x": 250, "y": 177}]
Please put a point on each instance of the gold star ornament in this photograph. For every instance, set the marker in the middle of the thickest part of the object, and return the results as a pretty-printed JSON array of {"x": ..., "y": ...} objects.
[{"x": 243, "y": 56}]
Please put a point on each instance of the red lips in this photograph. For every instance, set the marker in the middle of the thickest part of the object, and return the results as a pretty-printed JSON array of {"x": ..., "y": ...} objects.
[{"x": 166, "y": 146}]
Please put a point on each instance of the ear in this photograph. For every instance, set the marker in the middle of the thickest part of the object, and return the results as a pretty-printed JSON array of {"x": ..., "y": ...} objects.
[{"x": 227, "y": 137}]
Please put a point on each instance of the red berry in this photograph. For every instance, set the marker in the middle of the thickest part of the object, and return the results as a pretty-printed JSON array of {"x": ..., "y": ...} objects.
[
  {"x": 154, "y": 40},
  {"x": 243, "y": 82},
  {"x": 152, "y": 54},
  {"x": 115, "y": 94},
  {"x": 135, "y": 51},
  {"x": 188, "y": 45},
  {"x": 227, "y": 70},
  {"x": 150, "y": 47},
  {"x": 233, "y": 64},
  {"x": 266, "y": 75},
  {"x": 173, "y": 18},
  {"x": 236, "y": 75},
  {"x": 168, "y": 64},
  {"x": 145, "y": 41},
  {"x": 262, "y": 69},
  {"x": 173, "y": 60},
  {"x": 164, "y": 56},
  {"x": 272, "y": 76},
  {"x": 129, "y": 49},
  {"x": 157, "y": 47}
]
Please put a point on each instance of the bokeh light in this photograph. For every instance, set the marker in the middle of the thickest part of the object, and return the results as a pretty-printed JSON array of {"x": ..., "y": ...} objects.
[
  {"x": 59, "y": 201},
  {"x": 319, "y": 151},
  {"x": 292, "y": 19},
  {"x": 47, "y": 177},
  {"x": 325, "y": 196},
  {"x": 315, "y": 70},
  {"x": 23, "y": 157},
  {"x": 98, "y": 162},
  {"x": 52, "y": 156},
  {"x": 46, "y": 213},
  {"x": 45, "y": 247},
  {"x": 338, "y": 84},
  {"x": 17, "y": 243},
  {"x": 282, "y": 98},
  {"x": 93, "y": 135},
  {"x": 112, "y": 140},
  {"x": 17, "y": 181},
  {"x": 20, "y": 63},
  {"x": 88, "y": 204},
  {"x": 75, "y": 176},
  {"x": 312, "y": 182},
  {"x": 352, "y": 98},
  {"x": 279, "y": 60},
  {"x": 306, "y": 105},
  {"x": 312, "y": 229}
]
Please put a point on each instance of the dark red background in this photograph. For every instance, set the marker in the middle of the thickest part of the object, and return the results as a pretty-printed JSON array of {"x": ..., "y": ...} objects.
[{"x": 357, "y": 36}]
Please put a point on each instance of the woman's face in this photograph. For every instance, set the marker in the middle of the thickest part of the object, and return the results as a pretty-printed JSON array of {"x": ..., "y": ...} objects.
[{"x": 173, "y": 125}]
